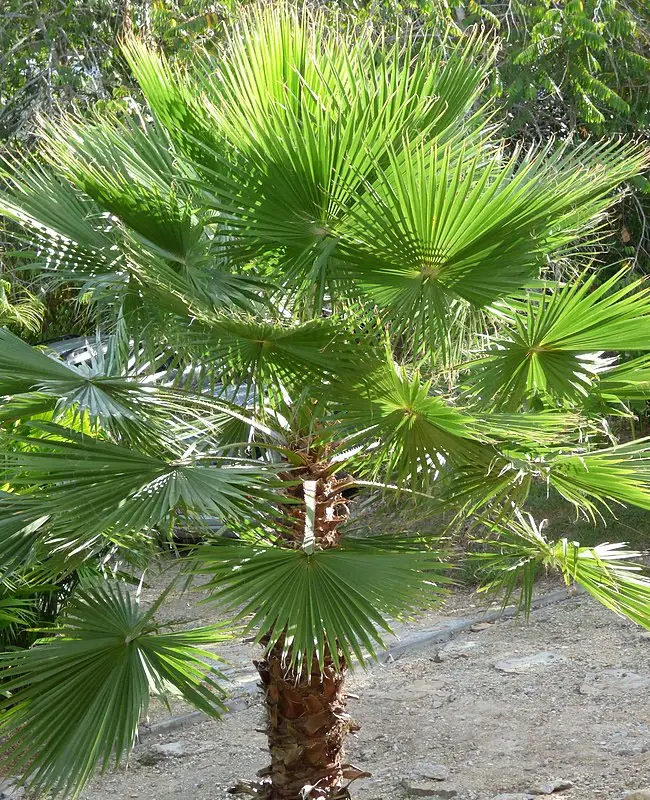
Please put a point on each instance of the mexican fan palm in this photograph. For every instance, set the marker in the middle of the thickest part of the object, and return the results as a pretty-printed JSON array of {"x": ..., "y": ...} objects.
[{"x": 317, "y": 271}]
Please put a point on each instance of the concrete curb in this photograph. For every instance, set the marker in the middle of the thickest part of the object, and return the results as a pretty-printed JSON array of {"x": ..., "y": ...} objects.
[
  {"x": 447, "y": 630},
  {"x": 442, "y": 632}
]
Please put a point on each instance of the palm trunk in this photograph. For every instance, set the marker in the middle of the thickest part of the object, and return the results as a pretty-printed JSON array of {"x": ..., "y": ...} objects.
[
  {"x": 306, "y": 718},
  {"x": 306, "y": 728}
]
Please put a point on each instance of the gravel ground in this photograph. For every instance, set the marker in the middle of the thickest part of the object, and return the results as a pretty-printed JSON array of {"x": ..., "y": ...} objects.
[{"x": 580, "y": 714}]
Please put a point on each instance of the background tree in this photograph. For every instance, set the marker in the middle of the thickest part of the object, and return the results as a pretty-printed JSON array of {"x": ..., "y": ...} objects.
[
  {"x": 58, "y": 54},
  {"x": 287, "y": 250}
]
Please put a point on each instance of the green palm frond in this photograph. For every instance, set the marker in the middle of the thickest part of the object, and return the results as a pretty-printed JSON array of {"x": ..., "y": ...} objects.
[
  {"x": 128, "y": 172},
  {"x": 628, "y": 380},
  {"x": 276, "y": 61},
  {"x": 62, "y": 233},
  {"x": 404, "y": 431},
  {"x": 97, "y": 491},
  {"x": 327, "y": 601},
  {"x": 171, "y": 240},
  {"x": 24, "y": 370},
  {"x": 591, "y": 479},
  {"x": 308, "y": 115},
  {"x": 131, "y": 227},
  {"x": 619, "y": 474},
  {"x": 263, "y": 355},
  {"x": 551, "y": 343},
  {"x": 279, "y": 66},
  {"x": 19, "y": 533},
  {"x": 73, "y": 701},
  {"x": 21, "y": 309},
  {"x": 110, "y": 392},
  {"x": 438, "y": 223},
  {"x": 609, "y": 572}
]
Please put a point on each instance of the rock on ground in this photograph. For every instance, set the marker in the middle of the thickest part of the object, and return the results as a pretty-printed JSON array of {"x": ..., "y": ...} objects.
[
  {"x": 550, "y": 788},
  {"x": 433, "y": 772},
  {"x": 10, "y": 790},
  {"x": 517, "y": 796},
  {"x": 457, "y": 649},
  {"x": 613, "y": 681},
  {"x": 429, "y": 789},
  {"x": 173, "y": 749},
  {"x": 520, "y": 666}
]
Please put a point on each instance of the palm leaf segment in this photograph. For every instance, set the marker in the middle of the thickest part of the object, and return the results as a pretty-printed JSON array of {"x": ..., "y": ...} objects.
[
  {"x": 609, "y": 572},
  {"x": 551, "y": 345},
  {"x": 74, "y": 700}
]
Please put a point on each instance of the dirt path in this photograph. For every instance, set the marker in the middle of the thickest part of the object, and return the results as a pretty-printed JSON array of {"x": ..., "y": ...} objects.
[{"x": 581, "y": 715}]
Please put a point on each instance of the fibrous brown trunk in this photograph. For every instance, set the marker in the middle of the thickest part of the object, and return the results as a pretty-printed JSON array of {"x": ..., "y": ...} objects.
[
  {"x": 307, "y": 724},
  {"x": 306, "y": 728},
  {"x": 306, "y": 717}
]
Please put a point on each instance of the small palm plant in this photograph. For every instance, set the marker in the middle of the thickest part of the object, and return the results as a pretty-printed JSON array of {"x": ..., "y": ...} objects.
[
  {"x": 318, "y": 270},
  {"x": 23, "y": 311}
]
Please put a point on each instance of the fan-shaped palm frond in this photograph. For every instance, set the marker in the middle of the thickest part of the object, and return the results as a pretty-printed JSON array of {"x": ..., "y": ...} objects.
[
  {"x": 324, "y": 601},
  {"x": 246, "y": 351},
  {"x": 128, "y": 172},
  {"x": 73, "y": 701},
  {"x": 609, "y": 572},
  {"x": 437, "y": 223},
  {"x": 23, "y": 310},
  {"x": 619, "y": 474},
  {"x": 65, "y": 227},
  {"x": 551, "y": 344},
  {"x": 398, "y": 429},
  {"x": 25, "y": 370},
  {"x": 94, "y": 489}
]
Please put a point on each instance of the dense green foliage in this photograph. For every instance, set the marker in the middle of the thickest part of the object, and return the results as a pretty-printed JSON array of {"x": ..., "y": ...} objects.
[
  {"x": 562, "y": 69},
  {"x": 560, "y": 65},
  {"x": 318, "y": 265},
  {"x": 57, "y": 54}
]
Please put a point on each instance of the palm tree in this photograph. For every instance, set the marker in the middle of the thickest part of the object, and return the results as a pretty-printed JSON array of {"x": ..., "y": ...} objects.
[{"x": 290, "y": 252}]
